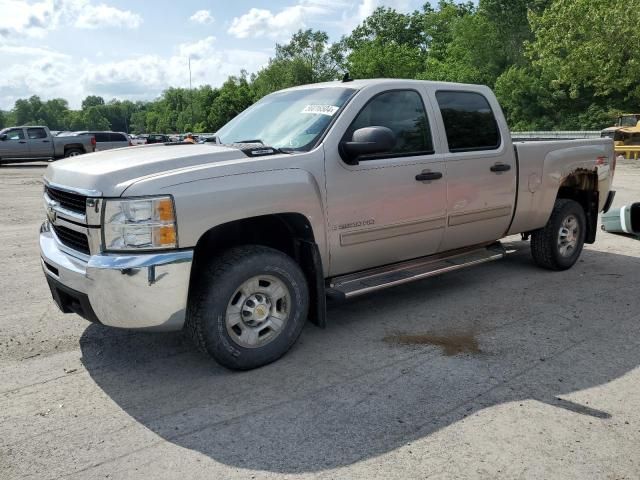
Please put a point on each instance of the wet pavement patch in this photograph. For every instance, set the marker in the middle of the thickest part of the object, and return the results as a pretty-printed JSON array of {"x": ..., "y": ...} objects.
[{"x": 450, "y": 344}]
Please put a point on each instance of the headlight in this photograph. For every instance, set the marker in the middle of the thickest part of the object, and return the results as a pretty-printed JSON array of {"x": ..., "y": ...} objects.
[{"x": 140, "y": 224}]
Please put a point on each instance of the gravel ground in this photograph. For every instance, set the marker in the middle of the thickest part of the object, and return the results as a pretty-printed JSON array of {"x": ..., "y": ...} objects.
[{"x": 500, "y": 371}]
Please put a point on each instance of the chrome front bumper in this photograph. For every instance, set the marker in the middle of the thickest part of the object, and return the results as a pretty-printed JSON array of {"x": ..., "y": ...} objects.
[{"x": 143, "y": 291}]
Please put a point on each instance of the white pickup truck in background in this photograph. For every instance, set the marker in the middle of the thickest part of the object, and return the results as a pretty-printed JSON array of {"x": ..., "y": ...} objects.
[{"x": 337, "y": 189}]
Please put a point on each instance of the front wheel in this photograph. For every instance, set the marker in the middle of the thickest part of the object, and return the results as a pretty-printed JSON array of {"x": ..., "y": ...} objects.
[
  {"x": 248, "y": 307},
  {"x": 558, "y": 245}
]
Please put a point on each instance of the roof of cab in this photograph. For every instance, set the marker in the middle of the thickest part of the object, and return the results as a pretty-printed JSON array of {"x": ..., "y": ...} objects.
[{"x": 359, "y": 84}]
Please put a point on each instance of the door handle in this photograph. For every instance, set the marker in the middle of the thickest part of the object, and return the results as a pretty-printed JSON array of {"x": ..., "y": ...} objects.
[
  {"x": 500, "y": 167},
  {"x": 426, "y": 176},
  {"x": 22, "y": 141},
  {"x": 45, "y": 141}
]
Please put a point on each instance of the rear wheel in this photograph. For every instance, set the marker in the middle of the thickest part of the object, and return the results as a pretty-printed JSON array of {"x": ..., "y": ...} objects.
[
  {"x": 73, "y": 152},
  {"x": 558, "y": 245},
  {"x": 248, "y": 307}
]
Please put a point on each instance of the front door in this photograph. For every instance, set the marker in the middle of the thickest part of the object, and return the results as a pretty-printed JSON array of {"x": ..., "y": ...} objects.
[
  {"x": 14, "y": 145},
  {"x": 392, "y": 207},
  {"x": 481, "y": 170}
]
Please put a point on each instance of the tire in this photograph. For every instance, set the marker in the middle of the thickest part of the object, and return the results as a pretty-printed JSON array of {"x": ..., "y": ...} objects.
[
  {"x": 248, "y": 307},
  {"x": 72, "y": 152},
  {"x": 559, "y": 244}
]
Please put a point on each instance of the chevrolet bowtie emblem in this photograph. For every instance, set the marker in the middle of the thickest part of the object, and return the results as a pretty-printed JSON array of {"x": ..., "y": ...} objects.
[{"x": 51, "y": 213}]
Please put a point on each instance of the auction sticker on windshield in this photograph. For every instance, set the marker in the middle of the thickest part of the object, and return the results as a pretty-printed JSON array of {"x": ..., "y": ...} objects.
[{"x": 321, "y": 109}]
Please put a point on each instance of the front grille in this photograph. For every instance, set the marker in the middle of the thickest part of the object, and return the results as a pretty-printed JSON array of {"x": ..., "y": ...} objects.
[
  {"x": 71, "y": 201},
  {"x": 72, "y": 239}
]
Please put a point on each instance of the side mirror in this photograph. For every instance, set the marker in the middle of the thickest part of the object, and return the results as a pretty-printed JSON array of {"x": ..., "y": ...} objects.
[
  {"x": 3, "y": 137},
  {"x": 367, "y": 141}
]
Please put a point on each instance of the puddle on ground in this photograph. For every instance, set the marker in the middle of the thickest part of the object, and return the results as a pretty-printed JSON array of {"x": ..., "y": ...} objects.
[{"x": 450, "y": 344}]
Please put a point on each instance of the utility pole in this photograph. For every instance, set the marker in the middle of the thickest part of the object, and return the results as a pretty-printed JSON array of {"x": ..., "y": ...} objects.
[{"x": 190, "y": 93}]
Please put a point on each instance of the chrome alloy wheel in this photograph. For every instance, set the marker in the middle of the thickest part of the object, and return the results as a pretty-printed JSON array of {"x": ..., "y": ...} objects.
[
  {"x": 568, "y": 236},
  {"x": 258, "y": 311}
]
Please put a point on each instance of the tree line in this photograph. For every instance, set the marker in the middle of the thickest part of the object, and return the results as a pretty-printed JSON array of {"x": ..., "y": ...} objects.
[{"x": 554, "y": 64}]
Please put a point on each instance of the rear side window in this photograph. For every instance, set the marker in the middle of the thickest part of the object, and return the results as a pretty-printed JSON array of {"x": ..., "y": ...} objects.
[
  {"x": 102, "y": 137},
  {"x": 117, "y": 137},
  {"x": 36, "y": 133},
  {"x": 469, "y": 121},
  {"x": 403, "y": 112}
]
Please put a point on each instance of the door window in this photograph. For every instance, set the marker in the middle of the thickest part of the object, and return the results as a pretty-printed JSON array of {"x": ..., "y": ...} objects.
[
  {"x": 36, "y": 133},
  {"x": 403, "y": 112},
  {"x": 468, "y": 121},
  {"x": 17, "y": 134},
  {"x": 101, "y": 137}
]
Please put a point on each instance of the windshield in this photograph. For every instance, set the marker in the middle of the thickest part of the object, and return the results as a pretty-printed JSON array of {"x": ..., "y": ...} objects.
[
  {"x": 292, "y": 120},
  {"x": 628, "y": 120}
]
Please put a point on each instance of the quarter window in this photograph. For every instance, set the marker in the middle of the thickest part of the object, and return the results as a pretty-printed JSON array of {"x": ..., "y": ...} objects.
[
  {"x": 403, "y": 112},
  {"x": 469, "y": 121},
  {"x": 36, "y": 133}
]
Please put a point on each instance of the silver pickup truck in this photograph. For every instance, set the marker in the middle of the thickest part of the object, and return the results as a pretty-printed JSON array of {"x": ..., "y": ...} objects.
[
  {"x": 31, "y": 143},
  {"x": 327, "y": 190}
]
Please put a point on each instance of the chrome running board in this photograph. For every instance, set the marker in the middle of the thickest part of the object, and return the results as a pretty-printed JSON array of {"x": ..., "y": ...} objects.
[{"x": 352, "y": 285}]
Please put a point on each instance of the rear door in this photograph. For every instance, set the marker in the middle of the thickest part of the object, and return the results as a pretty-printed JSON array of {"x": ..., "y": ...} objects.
[
  {"x": 15, "y": 144},
  {"x": 40, "y": 144},
  {"x": 481, "y": 168}
]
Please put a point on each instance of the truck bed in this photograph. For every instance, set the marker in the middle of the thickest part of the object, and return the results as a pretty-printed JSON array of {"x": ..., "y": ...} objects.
[{"x": 542, "y": 167}]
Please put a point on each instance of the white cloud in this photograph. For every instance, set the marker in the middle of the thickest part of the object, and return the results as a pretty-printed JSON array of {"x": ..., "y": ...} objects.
[
  {"x": 49, "y": 73},
  {"x": 203, "y": 17},
  {"x": 355, "y": 16},
  {"x": 259, "y": 22},
  {"x": 41, "y": 71},
  {"x": 24, "y": 51},
  {"x": 197, "y": 50},
  {"x": 98, "y": 16},
  {"x": 21, "y": 18},
  {"x": 145, "y": 77}
]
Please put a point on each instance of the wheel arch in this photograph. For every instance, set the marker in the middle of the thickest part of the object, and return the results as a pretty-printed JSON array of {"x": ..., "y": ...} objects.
[
  {"x": 288, "y": 232},
  {"x": 73, "y": 146},
  {"x": 582, "y": 187}
]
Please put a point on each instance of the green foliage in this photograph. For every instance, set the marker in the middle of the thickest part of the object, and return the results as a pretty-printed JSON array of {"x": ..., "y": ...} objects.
[
  {"x": 554, "y": 64},
  {"x": 92, "y": 101},
  {"x": 472, "y": 56},
  {"x": 377, "y": 59},
  {"x": 94, "y": 119},
  {"x": 387, "y": 44},
  {"x": 307, "y": 58}
]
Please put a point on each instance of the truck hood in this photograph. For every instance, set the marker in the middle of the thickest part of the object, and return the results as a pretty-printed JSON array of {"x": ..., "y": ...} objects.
[{"x": 110, "y": 172}]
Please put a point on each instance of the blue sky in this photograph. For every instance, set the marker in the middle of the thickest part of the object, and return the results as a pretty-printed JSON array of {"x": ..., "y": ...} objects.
[{"x": 134, "y": 49}]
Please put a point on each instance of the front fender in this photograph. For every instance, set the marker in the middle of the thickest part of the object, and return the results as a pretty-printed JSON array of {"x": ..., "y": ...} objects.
[{"x": 207, "y": 203}]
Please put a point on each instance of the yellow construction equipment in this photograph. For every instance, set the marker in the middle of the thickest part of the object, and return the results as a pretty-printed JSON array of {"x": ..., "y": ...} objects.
[
  {"x": 626, "y": 120},
  {"x": 627, "y": 141}
]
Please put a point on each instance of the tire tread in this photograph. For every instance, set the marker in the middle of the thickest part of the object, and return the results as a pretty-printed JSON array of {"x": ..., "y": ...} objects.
[
  {"x": 543, "y": 240},
  {"x": 215, "y": 271}
]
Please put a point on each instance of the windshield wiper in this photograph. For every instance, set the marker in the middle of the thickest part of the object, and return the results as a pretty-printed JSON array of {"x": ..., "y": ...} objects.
[{"x": 277, "y": 150}]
